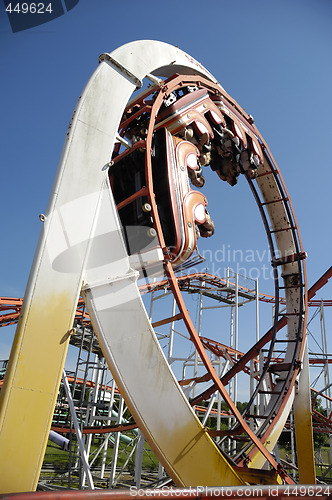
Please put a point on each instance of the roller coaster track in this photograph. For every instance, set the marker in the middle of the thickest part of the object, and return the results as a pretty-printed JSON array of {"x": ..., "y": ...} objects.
[
  {"x": 255, "y": 350},
  {"x": 10, "y": 307},
  {"x": 83, "y": 250}
]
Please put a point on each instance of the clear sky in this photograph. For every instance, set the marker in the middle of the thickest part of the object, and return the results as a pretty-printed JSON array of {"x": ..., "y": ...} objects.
[{"x": 272, "y": 56}]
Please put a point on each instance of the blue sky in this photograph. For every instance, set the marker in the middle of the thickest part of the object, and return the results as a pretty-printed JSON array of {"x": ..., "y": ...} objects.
[{"x": 272, "y": 56}]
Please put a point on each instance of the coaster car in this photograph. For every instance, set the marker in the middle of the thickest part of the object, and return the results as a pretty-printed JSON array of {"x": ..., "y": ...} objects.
[
  {"x": 193, "y": 128},
  {"x": 182, "y": 210},
  {"x": 224, "y": 140}
]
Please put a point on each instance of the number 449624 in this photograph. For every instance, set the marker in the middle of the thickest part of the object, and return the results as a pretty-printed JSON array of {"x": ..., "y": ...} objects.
[{"x": 32, "y": 8}]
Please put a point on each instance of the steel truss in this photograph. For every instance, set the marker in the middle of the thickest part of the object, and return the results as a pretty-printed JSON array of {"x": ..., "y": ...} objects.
[{"x": 96, "y": 416}]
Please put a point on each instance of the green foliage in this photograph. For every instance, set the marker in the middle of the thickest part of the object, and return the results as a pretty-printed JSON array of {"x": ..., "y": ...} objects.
[
  {"x": 59, "y": 458},
  {"x": 319, "y": 437},
  {"x": 241, "y": 406}
]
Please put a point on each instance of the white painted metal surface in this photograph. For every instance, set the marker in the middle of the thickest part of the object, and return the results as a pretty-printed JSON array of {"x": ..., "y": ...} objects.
[
  {"x": 138, "y": 364},
  {"x": 60, "y": 260},
  {"x": 81, "y": 244}
]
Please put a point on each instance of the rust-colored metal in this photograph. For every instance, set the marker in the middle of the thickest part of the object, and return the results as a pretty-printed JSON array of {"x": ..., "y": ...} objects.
[
  {"x": 96, "y": 429},
  {"x": 255, "y": 349},
  {"x": 10, "y": 304},
  {"x": 205, "y": 282},
  {"x": 172, "y": 278},
  {"x": 165, "y": 321},
  {"x": 214, "y": 376},
  {"x": 139, "y": 194},
  {"x": 10, "y": 309},
  {"x": 177, "y": 285}
]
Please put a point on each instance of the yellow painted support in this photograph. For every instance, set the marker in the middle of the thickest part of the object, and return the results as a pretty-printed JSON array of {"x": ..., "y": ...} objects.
[
  {"x": 39, "y": 350},
  {"x": 258, "y": 476},
  {"x": 34, "y": 372},
  {"x": 30, "y": 389},
  {"x": 303, "y": 426},
  {"x": 140, "y": 368}
]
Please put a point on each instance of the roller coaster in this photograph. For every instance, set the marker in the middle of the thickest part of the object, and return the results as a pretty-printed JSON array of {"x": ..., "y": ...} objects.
[{"x": 124, "y": 220}]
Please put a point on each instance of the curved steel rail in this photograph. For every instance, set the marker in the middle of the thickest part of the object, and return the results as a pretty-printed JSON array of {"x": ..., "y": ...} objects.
[
  {"x": 286, "y": 252},
  {"x": 91, "y": 257}
]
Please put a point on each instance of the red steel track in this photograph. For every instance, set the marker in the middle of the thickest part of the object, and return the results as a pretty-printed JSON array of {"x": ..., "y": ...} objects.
[
  {"x": 10, "y": 307},
  {"x": 272, "y": 199},
  {"x": 282, "y": 232}
]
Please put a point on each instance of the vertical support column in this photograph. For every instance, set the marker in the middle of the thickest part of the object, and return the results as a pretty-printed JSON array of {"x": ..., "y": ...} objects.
[
  {"x": 252, "y": 388},
  {"x": 303, "y": 425},
  {"x": 116, "y": 443},
  {"x": 327, "y": 383},
  {"x": 261, "y": 397},
  {"x": 78, "y": 361},
  {"x": 151, "y": 305},
  {"x": 171, "y": 334},
  {"x": 231, "y": 382},
  {"x": 87, "y": 366},
  {"x": 103, "y": 464},
  {"x": 252, "y": 364},
  {"x": 199, "y": 333},
  {"x": 83, "y": 454},
  {"x": 291, "y": 421},
  {"x": 236, "y": 343},
  {"x": 236, "y": 339},
  {"x": 257, "y": 311},
  {"x": 91, "y": 417},
  {"x": 161, "y": 471},
  {"x": 139, "y": 459},
  {"x": 257, "y": 332}
]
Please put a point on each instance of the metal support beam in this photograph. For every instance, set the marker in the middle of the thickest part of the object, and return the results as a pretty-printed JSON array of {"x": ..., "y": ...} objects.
[
  {"x": 116, "y": 443},
  {"x": 83, "y": 454},
  {"x": 303, "y": 425},
  {"x": 139, "y": 459}
]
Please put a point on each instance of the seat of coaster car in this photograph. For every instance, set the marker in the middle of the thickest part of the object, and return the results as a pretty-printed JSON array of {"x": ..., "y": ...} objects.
[{"x": 193, "y": 129}]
